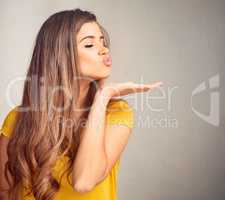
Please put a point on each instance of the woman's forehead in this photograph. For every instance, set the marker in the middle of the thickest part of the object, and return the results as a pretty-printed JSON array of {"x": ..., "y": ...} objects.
[{"x": 89, "y": 28}]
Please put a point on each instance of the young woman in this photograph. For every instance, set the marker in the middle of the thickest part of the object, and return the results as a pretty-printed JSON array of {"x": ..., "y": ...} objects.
[{"x": 65, "y": 139}]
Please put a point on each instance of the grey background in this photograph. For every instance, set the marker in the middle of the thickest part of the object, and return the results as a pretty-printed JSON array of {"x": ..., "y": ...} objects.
[{"x": 179, "y": 42}]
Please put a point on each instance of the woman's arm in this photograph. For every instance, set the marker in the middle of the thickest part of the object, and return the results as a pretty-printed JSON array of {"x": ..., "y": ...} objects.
[
  {"x": 91, "y": 159},
  {"x": 100, "y": 147}
]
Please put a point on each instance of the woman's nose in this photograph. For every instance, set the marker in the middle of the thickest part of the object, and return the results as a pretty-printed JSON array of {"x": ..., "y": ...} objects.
[{"x": 103, "y": 50}]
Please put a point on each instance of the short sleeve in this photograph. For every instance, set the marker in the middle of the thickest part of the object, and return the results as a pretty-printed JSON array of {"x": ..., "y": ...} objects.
[
  {"x": 9, "y": 123},
  {"x": 120, "y": 112}
]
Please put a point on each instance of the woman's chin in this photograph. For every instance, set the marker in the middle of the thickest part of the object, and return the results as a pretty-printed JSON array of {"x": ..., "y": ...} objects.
[{"x": 102, "y": 76}]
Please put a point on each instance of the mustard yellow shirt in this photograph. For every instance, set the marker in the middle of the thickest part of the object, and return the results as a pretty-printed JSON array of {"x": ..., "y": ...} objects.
[{"x": 118, "y": 112}]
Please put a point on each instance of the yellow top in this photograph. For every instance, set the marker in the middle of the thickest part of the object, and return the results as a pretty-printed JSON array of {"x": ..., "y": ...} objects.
[{"x": 118, "y": 112}]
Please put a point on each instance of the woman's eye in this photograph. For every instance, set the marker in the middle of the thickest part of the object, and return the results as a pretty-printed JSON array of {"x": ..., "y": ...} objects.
[{"x": 89, "y": 46}]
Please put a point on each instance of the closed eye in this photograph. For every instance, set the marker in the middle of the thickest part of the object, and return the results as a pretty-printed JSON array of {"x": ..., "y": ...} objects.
[{"x": 89, "y": 46}]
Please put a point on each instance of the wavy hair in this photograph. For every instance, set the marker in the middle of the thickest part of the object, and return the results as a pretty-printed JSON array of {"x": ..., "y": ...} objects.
[{"x": 41, "y": 135}]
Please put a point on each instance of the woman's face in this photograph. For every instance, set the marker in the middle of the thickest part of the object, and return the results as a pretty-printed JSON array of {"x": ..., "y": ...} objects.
[{"x": 91, "y": 52}]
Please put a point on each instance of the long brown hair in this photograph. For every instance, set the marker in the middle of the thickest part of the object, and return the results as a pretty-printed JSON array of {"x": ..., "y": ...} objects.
[{"x": 41, "y": 135}]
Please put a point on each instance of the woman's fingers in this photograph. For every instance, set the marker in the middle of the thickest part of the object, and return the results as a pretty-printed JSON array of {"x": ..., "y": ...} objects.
[
  {"x": 120, "y": 89},
  {"x": 155, "y": 85},
  {"x": 146, "y": 87}
]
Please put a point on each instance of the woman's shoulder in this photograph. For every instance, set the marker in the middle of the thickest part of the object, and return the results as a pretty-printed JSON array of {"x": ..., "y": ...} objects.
[
  {"x": 119, "y": 105},
  {"x": 9, "y": 122},
  {"x": 119, "y": 111}
]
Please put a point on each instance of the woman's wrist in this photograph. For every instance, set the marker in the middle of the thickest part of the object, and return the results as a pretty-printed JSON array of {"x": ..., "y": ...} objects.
[{"x": 102, "y": 98}]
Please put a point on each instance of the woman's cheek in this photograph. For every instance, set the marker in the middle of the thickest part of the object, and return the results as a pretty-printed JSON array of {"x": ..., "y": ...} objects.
[{"x": 88, "y": 68}]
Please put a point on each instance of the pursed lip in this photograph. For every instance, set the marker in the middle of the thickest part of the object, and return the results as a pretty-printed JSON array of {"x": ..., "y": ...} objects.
[{"x": 107, "y": 60}]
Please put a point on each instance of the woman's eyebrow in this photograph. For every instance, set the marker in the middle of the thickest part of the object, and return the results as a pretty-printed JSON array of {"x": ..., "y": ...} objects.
[{"x": 91, "y": 36}]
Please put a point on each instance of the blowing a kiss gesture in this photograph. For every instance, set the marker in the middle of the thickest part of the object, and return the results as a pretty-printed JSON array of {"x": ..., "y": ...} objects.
[{"x": 109, "y": 90}]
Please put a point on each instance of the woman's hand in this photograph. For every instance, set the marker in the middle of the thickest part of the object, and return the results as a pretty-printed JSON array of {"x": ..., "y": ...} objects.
[{"x": 119, "y": 89}]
